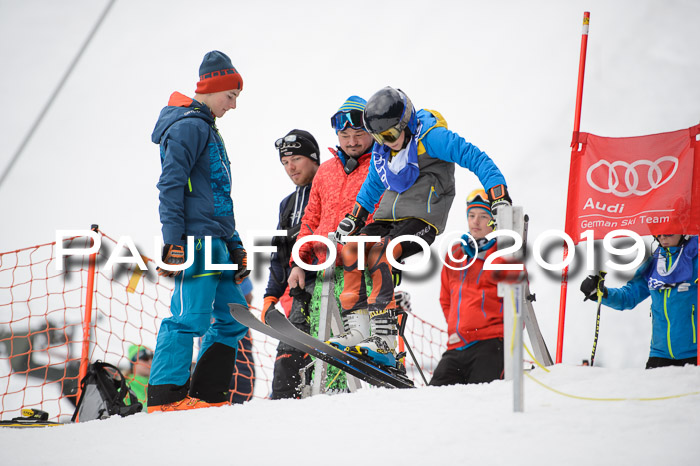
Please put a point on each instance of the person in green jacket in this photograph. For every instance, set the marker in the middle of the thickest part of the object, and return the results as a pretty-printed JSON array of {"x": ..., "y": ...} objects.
[{"x": 137, "y": 379}]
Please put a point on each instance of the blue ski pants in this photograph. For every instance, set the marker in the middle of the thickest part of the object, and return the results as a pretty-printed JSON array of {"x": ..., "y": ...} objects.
[{"x": 199, "y": 308}]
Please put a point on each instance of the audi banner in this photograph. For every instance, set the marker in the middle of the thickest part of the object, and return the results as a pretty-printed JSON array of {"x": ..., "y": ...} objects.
[{"x": 647, "y": 184}]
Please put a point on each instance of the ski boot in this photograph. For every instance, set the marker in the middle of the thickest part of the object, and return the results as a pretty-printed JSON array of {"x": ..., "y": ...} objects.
[
  {"x": 357, "y": 328},
  {"x": 380, "y": 346}
]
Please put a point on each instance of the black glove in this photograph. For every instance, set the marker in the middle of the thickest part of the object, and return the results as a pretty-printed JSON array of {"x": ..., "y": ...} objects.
[
  {"x": 239, "y": 257},
  {"x": 498, "y": 196},
  {"x": 352, "y": 223},
  {"x": 304, "y": 298},
  {"x": 591, "y": 284},
  {"x": 403, "y": 300},
  {"x": 172, "y": 255}
]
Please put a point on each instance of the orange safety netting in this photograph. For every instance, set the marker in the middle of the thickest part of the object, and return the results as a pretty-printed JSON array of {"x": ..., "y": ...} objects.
[{"x": 41, "y": 328}]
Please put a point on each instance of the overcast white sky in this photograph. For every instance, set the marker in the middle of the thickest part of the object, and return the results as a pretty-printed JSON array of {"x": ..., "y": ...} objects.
[{"x": 502, "y": 73}]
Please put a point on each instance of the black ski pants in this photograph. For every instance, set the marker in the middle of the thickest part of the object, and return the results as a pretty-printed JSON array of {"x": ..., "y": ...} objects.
[
  {"x": 286, "y": 380},
  {"x": 663, "y": 362},
  {"x": 480, "y": 363}
]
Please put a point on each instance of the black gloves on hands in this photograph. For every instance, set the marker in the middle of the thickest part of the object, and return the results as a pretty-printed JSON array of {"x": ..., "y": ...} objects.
[
  {"x": 175, "y": 255},
  {"x": 591, "y": 284},
  {"x": 403, "y": 300},
  {"x": 349, "y": 226},
  {"x": 352, "y": 223},
  {"x": 304, "y": 298},
  {"x": 239, "y": 257},
  {"x": 172, "y": 255},
  {"x": 498, "y": 197}
]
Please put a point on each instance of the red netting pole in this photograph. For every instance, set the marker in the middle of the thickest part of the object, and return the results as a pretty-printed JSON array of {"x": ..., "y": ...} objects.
[
  {"x": 574, "y": 144},
  {"x": 401, "y": 344},
  {"x": 87, "y": 318}
]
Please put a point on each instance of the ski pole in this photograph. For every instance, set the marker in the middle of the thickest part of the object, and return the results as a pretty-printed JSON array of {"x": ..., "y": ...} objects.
[
  {"x": 415, "y": 361},
  {"x": 597, "y": 321},
  {"x": 402, "y": 326}
]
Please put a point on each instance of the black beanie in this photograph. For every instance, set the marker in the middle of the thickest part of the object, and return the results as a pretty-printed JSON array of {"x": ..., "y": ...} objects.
[{"x": 303, "y": 144}]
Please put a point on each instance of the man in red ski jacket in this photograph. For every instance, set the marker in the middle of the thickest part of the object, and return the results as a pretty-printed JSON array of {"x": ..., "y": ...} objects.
[
  {"x": 337, "y": 183},
  {"x": 333, "y": 193},
  {"x": 472, "y": 308}
]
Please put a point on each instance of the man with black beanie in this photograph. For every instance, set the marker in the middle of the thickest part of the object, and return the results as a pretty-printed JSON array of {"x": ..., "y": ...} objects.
[{"x": 299, "y": 155}]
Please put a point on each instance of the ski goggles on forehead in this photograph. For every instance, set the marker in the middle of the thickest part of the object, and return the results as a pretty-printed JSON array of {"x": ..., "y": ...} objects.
[
  {"x": 476, "y": 195},
  {"x": 478, "y": 199},
  {"x": 291, "y": 141},
  {"x": 351, "y": 118}
]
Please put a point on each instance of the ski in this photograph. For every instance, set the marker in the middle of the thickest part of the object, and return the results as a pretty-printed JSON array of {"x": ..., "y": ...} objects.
[
  {"x": 245, "y": 317},
  {"x": 30, "y": 418},
  {"x": 386, "y": 374},
  {"x": 281, "y": 329}
]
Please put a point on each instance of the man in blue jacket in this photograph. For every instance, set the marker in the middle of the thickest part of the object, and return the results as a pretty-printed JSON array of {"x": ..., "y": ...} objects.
[
  {"x": 412, "y": 171},
  {"x": 300, "y": 156},
  {"x": 670, "y": 277},
  {"x": 195, "y": 202}
]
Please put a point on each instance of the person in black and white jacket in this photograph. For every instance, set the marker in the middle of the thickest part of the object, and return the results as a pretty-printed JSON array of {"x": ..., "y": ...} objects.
[{"x": 300, "y": 157}]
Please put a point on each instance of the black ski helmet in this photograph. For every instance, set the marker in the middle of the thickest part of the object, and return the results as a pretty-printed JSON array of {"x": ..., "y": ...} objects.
[{"x": 387, "y": 113}]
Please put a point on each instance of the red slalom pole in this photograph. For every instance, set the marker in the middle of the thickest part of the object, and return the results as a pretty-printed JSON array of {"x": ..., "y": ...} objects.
[
  {"x": 581, "y": 72},
  {"x": 87, "y": 318},
  {"x": 574, "y": 144}
]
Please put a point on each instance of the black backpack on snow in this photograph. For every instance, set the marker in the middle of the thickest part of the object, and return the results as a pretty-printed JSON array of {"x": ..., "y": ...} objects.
[{"x": 103, "y": 394}]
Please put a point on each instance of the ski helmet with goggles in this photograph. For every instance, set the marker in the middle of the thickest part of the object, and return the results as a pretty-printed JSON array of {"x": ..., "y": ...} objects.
[{"x": 388, "y": 113}]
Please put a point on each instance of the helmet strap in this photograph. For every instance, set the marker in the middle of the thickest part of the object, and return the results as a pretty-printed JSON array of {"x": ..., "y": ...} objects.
[{"x": 407, "y": 138}]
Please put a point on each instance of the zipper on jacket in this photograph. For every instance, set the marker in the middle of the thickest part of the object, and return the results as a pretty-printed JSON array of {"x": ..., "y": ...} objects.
[
  {"x": 459, "y": 308},
  {"x": 430, "y": 196},
  {"x": 692, "y": 321},
  {"x": 189, "y": 183},
  {"x": 224, "y": 159},
  {"x": 393, "y": 207},
  {"x": 667, "y": 293}
]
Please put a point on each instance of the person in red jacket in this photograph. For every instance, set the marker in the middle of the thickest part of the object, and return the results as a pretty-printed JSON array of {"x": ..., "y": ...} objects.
[
  {"x": 336, "y": 185},
  {"x": 333, "y": 193},
  {"x": 471, "y": 305}
]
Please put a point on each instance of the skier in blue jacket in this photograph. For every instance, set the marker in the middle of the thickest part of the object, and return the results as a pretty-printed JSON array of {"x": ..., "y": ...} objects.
[
  {"x": 412, "y": 171},
  {"x": 195, "y": 201},
  {"x": 670, "y": 277}
]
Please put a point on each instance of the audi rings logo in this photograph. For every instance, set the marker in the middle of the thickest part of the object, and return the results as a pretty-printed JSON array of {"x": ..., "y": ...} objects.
[{"x": 637, "y": 180}]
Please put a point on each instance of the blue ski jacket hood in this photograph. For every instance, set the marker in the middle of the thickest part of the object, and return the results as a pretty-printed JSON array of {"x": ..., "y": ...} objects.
[
  {"x": 179, "y": 107},
  {"x": 195, "y": 182}
]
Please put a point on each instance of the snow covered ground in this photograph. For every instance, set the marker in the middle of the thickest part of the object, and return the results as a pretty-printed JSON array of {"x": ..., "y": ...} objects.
[
  {"x": 503, "y": 74},
  {"x": 436, "y": 425}
]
